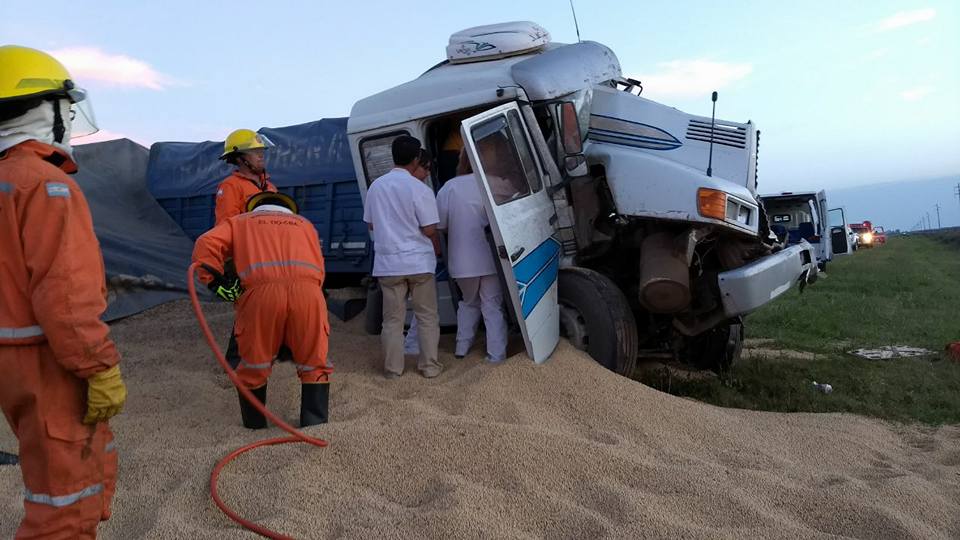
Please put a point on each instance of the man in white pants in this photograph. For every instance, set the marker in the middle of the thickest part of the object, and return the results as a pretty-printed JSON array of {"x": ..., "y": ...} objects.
[{"x": 471, "y": 264}]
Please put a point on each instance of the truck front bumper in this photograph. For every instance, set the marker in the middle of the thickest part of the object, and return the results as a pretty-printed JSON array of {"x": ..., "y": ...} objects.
[{"x": 749, "y": 287}]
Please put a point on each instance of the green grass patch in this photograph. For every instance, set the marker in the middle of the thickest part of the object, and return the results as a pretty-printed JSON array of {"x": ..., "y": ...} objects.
[{"x": 904, "y": 293}]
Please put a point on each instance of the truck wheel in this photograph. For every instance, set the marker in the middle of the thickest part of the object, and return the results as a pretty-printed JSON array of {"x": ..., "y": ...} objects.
[
  {"x": 595, "y": 317},
  {"x": 373, "y": 321},
  {"x": 716, "y": 349}
]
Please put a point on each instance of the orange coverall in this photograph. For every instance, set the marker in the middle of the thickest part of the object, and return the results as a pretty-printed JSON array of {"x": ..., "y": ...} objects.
[
  {"x": 278, "y": 258},
  {"x": 52, "y": 294},
  {"x": 233, "y": 193}
]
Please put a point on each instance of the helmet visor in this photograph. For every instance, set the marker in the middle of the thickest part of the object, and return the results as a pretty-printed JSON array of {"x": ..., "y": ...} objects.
[
  {"x": 84, "y": 122},
  {"x": 267, "y": 143}
]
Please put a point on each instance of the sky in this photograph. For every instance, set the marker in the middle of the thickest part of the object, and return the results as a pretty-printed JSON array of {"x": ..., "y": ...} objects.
[{"x": 845, "y": 93}]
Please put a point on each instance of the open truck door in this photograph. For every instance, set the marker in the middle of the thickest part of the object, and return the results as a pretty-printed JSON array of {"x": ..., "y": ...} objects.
[
  {"x": 522, "y": 217},
  {"x": 840, "y": 241}
]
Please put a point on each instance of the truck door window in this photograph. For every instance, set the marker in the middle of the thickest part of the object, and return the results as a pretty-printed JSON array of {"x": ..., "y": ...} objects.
[
  {"x": 378, "y": 155},
  {"x": 506, "y": 158}
]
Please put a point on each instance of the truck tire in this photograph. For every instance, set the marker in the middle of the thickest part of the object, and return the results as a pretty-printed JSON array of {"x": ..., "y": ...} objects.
[
  {"x": 716, "y": 349},
  {"x": 596, "y": 318},
  {"x": 373, "y": 321}
]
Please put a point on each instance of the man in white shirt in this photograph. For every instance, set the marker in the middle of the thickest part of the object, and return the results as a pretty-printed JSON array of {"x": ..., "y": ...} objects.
[
  {"x": 401, "y": 213},
  {"x": 471, "y": 264}
]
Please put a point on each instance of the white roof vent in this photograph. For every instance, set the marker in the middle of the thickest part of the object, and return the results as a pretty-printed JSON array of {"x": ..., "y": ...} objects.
[{"x": 495, "y": 41}]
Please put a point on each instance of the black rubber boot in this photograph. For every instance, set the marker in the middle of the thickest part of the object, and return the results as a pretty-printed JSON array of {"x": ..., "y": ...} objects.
[
  {"x": 233, "y": 351},
  {"x": 314, "y": 404},
  {"x": 252, "y": 418}
]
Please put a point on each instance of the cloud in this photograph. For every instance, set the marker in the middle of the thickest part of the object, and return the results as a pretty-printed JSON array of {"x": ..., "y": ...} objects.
[
  {"x": 916, "y": 93},
  {"x": 906, "y": 18},
  {"x": 692, "y": 78},
  {"x": 88, "y": 64}
]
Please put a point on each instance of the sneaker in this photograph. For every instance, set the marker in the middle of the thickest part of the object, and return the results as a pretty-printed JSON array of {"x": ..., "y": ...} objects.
[
  {"x": 431, "y": 373},
  {"x": 459, "y": 356},
  {"x": 491, "y": 360},
  {"x": 389, "y": 375}
]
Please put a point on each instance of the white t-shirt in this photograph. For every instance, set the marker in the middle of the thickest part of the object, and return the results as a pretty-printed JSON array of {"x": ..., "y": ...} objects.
[
  {"x": 398, "y": 206},
  {"x": 463, "y": 216}
]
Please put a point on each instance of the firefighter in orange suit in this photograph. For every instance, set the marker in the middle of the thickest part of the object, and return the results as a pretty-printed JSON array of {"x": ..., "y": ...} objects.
[
  {"x": 279, "y": 299},
  {"x": 245, "y": 149},
  {"x": 61, "y": 380}
]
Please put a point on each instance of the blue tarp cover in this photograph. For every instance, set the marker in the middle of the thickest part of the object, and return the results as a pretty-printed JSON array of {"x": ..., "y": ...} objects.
[
  {"x": 311, "y": 162},
  {"x": 305, "y": 154}
]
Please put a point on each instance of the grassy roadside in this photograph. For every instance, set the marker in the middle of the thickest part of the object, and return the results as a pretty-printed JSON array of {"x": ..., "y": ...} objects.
[{"x": 904, "y": 293}]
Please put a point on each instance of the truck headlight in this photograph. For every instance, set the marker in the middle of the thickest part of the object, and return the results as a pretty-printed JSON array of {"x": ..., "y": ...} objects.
[
  {"x": 867, "y": 238},
  {"x": 712, "y": 203}
]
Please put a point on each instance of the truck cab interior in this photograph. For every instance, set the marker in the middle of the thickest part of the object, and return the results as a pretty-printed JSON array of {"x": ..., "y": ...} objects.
[
  {"x": 444, "y": 141},
  {"x": 795, "y": 219}
]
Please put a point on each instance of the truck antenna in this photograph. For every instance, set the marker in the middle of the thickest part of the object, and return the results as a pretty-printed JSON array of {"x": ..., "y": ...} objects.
[
  {"x": 713, "y": 122},
  {"x": 575, "y": 24}
]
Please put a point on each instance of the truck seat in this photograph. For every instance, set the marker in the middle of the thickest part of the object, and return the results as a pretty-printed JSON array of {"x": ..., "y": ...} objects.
[{"x": 807, "y": 232}]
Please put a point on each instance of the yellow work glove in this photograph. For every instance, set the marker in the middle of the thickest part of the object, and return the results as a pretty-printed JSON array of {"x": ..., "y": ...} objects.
[{"x": 106, "y": 394}]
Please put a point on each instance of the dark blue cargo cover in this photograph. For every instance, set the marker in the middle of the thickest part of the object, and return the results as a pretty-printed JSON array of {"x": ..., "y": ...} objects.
[
  {"x": 145, "y": 253},
  {"x": 311, "y": 162}
]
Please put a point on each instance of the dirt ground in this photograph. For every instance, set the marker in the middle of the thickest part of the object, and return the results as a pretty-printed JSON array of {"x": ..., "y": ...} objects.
[{"x": 561, "y": 450}]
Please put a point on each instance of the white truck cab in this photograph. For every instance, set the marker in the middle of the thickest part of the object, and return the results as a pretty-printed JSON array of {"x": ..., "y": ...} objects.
[{"x": 612, "y": 224}]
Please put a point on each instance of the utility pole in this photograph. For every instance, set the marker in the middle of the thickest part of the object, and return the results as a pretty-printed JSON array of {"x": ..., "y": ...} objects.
[
  {"x": 929, "y": 225},
  {"x": 938, "y": 215}
]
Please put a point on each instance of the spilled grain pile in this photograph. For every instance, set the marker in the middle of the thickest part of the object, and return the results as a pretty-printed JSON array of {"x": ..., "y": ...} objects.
[{"x": 565, "y": 449}]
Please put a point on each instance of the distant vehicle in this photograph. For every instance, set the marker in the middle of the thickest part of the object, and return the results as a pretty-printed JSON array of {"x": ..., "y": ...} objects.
[
  {"x": 798, "y": 216},
  {"x": 867, "y": 236},
  {"x": 879, "y": 237}
]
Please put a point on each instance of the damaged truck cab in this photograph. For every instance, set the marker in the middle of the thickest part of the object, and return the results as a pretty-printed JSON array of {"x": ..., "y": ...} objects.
[{"x": 607, "y": 225}]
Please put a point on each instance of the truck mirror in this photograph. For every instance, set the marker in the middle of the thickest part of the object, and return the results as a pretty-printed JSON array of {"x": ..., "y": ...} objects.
[{"x": 572, "y": 144}]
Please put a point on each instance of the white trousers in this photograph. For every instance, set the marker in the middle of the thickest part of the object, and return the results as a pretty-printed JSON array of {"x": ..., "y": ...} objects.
[{"x": 482, "y": 297}]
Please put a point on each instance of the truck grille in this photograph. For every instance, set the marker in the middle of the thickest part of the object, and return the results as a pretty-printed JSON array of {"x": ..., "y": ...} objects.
[{"x": 723, "y": 134}]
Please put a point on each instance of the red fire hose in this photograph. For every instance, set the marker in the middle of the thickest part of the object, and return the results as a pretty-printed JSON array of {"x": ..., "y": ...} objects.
[{"x": 295, "y": 436}]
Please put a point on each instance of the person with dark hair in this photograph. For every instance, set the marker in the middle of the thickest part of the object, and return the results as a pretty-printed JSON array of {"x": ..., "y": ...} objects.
[
  {"x": 422, "y": 171},
  {"x": 401, "y": 213},
  {"x": 280, "y": 265},
  {"x": 61, "y": 380}
]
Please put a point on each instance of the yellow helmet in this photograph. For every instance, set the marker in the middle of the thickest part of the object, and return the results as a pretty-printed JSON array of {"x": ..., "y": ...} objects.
[
  {"x": 27, "y": 74},
  {"x": 242, "y": 140},
  {"x": 272, "y": 197}
]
